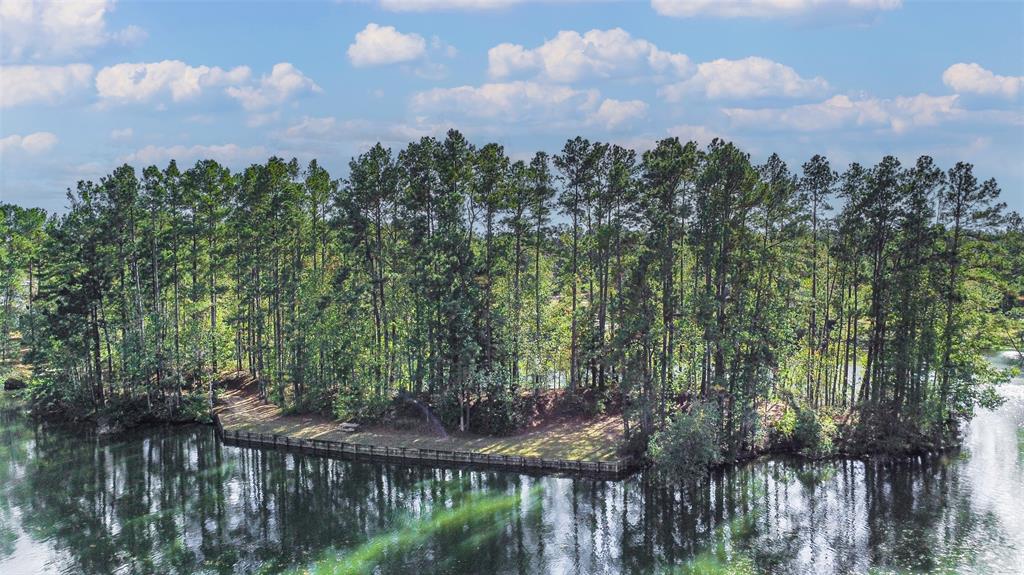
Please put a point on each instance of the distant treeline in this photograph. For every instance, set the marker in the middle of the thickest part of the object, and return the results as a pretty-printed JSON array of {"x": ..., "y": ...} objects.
[{"x": 646, "y": 282}]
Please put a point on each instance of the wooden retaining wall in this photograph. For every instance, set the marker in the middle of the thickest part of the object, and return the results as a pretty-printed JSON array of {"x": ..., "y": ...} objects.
[{"x": 432, "y": 457}]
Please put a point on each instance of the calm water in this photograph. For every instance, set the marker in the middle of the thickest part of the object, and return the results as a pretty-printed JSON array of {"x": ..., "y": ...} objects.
[{"x": 174, "y": 500}]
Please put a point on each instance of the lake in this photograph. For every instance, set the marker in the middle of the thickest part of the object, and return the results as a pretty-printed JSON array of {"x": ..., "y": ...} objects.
[{"x": 175, "y": 500}]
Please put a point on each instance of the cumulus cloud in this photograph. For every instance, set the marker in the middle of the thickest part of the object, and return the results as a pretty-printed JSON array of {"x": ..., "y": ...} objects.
[
  {"x": 231, "y": 154},
  {"x": 377, "y": 45},
  {"x": 897, "y": 114},
  {"x": 35, "y": 84},
  {"x": 766, "y": 9},
  {"x": 35, "y": 143},
  {"x": 140, "y": 82},
  {"x": 752, "y": 77},
  {"x": 284, "y": 81},
  {"x": 430, "y": 5},
  {"x": 37, "y": 29},
  {"x": 144, "y": 82},
  {"x": 509, "y": 101},
  {"x": 614, "y": 113},
  {"x": 973, "y": 79},
  {"x": 570, "y": 56}
]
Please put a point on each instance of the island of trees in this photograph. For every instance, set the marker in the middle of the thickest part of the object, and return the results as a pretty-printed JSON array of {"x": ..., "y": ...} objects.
[{"x": 721, "y": 307}]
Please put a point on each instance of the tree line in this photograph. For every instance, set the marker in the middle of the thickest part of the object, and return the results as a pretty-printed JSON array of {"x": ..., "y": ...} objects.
[{"x": 646, "y": 283}]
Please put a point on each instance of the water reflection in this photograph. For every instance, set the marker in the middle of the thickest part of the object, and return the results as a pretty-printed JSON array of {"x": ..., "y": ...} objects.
[{"x": 174, "y": 500}]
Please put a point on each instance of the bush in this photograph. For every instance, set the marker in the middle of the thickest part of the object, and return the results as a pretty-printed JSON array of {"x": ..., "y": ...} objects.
[
  {"x": 815, "y": 433},
  {"x": 688, "y": 445},
  {"x": 499, "y": 410},
  {"x": 786, "y": 425},
  {"x": 807, "y": 430},
  {"x": 194, "y": 407},
  {"x": 361, "y": 407}
]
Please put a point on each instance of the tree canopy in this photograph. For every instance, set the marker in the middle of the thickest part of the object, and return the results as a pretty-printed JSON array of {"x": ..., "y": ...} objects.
[{"x": 654, "y": 284}]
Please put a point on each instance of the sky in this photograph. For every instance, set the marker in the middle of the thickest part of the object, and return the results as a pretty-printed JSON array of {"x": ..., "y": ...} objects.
[{"x": 87, "y": 86}]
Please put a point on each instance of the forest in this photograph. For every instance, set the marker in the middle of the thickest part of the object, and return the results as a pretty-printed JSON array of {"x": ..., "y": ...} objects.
[{"x": 688, "y": 289}]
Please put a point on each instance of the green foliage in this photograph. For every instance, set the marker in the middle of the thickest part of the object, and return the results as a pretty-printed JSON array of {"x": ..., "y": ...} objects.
[
  {"x": 447, "y": 271},
  {"x": 785, "y": 426},
  {"x": 689, "y": 444},
  {"x": 351, "y": 405},
  {"x": 814, "y": 432},
  {"x": 499, "y": 411}
]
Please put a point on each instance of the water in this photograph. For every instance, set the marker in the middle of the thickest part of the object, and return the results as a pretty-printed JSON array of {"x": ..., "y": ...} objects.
[{"x": 174, "y": 500}]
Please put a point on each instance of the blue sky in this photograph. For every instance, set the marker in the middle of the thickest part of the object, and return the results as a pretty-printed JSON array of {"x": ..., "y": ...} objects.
[{"x": 86, "y": 86}]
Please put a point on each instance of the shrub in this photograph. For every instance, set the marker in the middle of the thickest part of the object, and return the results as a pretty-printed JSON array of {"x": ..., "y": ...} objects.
[
  {"x": 688, "y": 445},
  {"x": 195, "y": 407},
  {"x": 498, "y": 410},
  {"x": 813, "y": 433},
  {"x": 807, "y": 430},
  {"x": 362, "y": 407},
  {"x": 786, "y": 425}
]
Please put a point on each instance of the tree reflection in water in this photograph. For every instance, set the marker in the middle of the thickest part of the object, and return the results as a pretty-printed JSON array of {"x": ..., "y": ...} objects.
[{"x": 174, "y": 500}]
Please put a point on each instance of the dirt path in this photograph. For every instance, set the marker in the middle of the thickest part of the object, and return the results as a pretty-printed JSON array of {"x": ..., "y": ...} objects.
[{"x": 594, "y": 439}]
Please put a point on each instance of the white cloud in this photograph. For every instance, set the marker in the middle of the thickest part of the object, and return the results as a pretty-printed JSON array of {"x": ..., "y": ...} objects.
[
  {"x": 376, "y": 45},
  {"x": 973, "y": 79},
  {"x": 752, "y": 77},
  {"x": 614, "y": 113},
  {"x": 140, "y": 82},
  {"x": 767, "y": 8},
  {"x": 507, "y": 101},
  {"x": 122, "y": 134},
  {"x": 34, "y": 84},
  {"x": 897, "y": 114},
  {"x": 284, "y": 81},
  {"x": 143, "y": 82},
  {"x": 430, "y": 5},
  {"x": 35, "y": 143},
  {"x": 231, "y": 154},
  {"x": 53, "y": 29},
  {"x": 570, "y": 56}
]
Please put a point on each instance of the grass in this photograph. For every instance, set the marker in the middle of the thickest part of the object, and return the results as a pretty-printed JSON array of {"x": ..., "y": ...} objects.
[{"x": 595, "y": 439}]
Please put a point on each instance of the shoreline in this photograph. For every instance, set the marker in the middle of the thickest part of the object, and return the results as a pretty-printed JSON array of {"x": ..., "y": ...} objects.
[
  {"x": 238, "y": 432},
  {"x": 588, "y": 447},
  {"x": 619, "y": 469}
]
